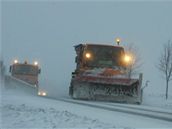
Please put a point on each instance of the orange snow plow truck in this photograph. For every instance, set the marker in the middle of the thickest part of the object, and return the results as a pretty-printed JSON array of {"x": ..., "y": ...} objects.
[
  {"x": 26, "y": 72},
  {"x": 101, "y": 75}
]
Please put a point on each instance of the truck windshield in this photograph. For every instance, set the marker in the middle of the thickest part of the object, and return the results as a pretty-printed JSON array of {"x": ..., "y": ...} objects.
[
  {"x": 103, "y": 56},
  {"x": 25, "y": 69}
]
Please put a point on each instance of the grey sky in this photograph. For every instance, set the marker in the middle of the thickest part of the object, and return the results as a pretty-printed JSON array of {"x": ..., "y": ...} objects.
[{"x": 47, "y": 32}]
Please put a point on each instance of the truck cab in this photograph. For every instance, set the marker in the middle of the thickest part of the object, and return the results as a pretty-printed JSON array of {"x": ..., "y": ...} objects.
[{"x": 26, "y": 72}]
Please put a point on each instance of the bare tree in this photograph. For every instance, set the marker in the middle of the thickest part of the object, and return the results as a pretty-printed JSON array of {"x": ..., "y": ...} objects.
[
  {"x": 135, "y": 64},
  {"x": 165, "y": 64}
]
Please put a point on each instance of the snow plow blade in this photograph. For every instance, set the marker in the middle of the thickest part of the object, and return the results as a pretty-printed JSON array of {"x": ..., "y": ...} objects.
[
  {"x": 121, "y": 90},
  {"x": 20, "y": 86}
]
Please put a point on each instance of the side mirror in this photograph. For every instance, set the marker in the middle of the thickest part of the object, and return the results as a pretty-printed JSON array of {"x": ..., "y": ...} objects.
[
  {"x": 10, "y": 70},
  {"x": 76, "y": 59},
  {"x": 39, "y": 71}
]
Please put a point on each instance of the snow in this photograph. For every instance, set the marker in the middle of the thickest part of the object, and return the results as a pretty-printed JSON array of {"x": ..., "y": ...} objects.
[
  {"x": 20, "y": 110},
  {"x": 37, "y": 112},
  {"x": 157, "y": 100},
  {"x": 39, "y": 116}
]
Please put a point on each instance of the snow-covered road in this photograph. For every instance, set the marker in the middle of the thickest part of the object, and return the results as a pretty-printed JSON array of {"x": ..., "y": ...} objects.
[
  {"x": 21, "y": 110},
  {"x": 134, "y": 110}
]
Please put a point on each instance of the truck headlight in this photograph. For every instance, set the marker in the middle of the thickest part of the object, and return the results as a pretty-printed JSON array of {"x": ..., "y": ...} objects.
[
  {"x": 88, "y": 55},
  {"x": 15, "y": 61},
  {"x": 39, "y": 93},
  {"x": 128, "y": 59},
  {"x": 44, "y": 94},
  {"x": 36, "y": 63}
]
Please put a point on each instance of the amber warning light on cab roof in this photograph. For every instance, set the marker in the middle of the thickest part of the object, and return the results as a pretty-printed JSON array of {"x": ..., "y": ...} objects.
[{"x": 118, "y": 40}]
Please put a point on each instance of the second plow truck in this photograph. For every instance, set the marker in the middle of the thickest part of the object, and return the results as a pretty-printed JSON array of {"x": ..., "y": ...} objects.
[
  {"x": 101, "y": 75},
  {"x": 26, "y": 72}
]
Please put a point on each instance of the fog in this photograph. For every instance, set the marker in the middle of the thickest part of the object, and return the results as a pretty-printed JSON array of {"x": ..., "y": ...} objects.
[{"x": 47, "y": 31}]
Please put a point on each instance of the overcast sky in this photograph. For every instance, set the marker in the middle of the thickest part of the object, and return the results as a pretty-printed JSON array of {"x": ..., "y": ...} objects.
[{"x": 47, "y": 32}]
